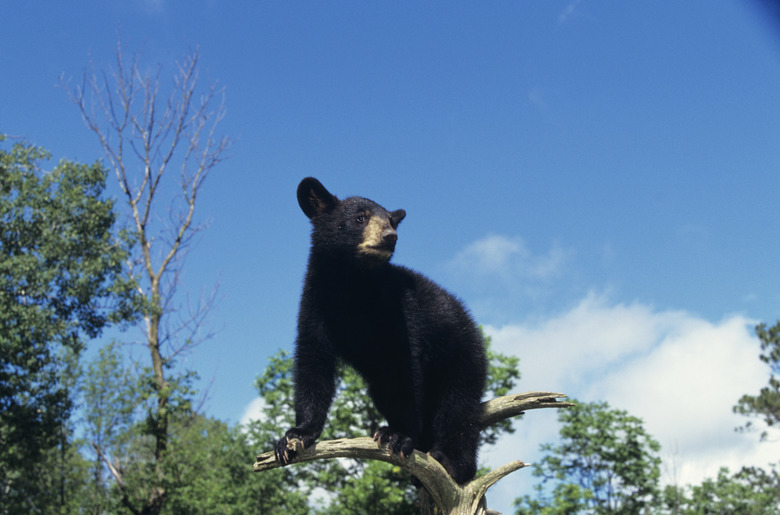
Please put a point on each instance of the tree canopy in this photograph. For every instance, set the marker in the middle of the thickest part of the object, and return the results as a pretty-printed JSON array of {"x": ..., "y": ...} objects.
[
  {"x": 605, "y": 462},
  {"x": 60, "y": 283}
]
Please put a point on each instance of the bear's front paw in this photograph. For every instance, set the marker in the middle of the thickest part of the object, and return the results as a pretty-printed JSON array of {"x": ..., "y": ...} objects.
[
  {"x": 285, "y": 451},
  {"x": 398, "y": 443}
]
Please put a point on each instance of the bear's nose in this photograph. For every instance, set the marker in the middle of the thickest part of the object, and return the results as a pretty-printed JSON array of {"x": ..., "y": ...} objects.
[{"x": 389, "y": 236}]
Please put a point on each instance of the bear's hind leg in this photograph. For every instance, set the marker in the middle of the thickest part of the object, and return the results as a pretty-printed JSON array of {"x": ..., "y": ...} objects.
[
  {"x": 456, "y": 430},
  {"x": 459, "y": 458}
]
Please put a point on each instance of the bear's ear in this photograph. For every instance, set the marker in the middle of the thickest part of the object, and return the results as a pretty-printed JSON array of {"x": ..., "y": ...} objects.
[
  {"x": 314, "y": 199},
  {"x": 396, "y": 217}
]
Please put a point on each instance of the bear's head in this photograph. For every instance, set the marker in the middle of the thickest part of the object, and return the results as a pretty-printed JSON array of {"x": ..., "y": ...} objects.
[{"x": 353, "y": 228}]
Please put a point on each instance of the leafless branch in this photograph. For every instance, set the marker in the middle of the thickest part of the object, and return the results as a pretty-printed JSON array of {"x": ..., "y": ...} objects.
[
  {"x": 146, "y": 133},
  {"x": 114, "y": 470}
]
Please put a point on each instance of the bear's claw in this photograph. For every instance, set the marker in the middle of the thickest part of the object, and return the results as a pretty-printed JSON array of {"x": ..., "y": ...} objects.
[
  {"x": 293, "y": 441},
  {"x": 397, "y": 443}
]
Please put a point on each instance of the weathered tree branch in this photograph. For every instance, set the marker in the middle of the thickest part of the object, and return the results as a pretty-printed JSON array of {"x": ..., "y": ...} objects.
[
  {"x": 448, "y": 496},
  {"x": 512, "y": 405}
]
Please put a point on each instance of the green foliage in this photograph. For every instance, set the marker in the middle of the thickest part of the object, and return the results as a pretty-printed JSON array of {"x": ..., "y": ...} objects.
[
  {"x": 356, "y": 486},
  {"x": 503, "y": 373},
  {"x": 605, "y": 463},
  {"x": 276, "y": 389},
  {"x": 206, "y": 467},
  {"x": 60, "y": 282},
  {"x": 110, "y": 399},
  {"x": 567, "y": 498},
  {"x": 285, "y": 490},
  {"x": 380, "y": 488},
  {"x": 211, "y": 474},
  {"x": 765, "y": 405},
  {"x": 751, "y": 490},
  {"x": 59, "y": 481}
]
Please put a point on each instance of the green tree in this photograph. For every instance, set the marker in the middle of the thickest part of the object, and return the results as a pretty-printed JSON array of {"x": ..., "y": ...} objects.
[
  {"x": 60, "y": 284},
  {"x": 162, "y": 145},
  {"x": 210, "y": 472},
  {"x": 751, "y": 490},
  {"x": 765, "y": 405},
  {"x": 212, "y": 475},
  {"x": 110, "y": 399},
  {"x": 378, "y": 489},
  {"x": 605, "y": 463},
  {"x": 354, "y": 486}
]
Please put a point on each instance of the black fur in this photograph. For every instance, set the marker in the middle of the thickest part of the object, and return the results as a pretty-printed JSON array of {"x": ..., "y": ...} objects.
[{"x": 417, "y": 347}]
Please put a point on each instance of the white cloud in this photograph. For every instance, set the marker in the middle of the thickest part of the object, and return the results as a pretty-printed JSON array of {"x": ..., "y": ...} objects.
[
  {"x": 582, "y": 343},
  {"x": 681, "y": 374},
  {"x": 255, "y": 410},
  {"x": 685, "y": 388}
]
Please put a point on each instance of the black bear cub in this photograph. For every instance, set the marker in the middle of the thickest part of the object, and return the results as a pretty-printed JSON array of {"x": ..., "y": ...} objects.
[{"x": 415, "y": 345}]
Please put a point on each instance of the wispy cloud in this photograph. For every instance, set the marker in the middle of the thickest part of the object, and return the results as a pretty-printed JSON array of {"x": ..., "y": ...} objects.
[
  {"x": 154, "y": 6},
  {"x": 568, "y": 11},
  {"x": 537, "y": 99},
  {"x": 501, "y": 276},
  {"x": 508, "y": 257}
]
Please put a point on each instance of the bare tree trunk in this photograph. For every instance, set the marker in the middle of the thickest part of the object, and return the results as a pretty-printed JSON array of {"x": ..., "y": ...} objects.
[{"x": 145, "y": 137}]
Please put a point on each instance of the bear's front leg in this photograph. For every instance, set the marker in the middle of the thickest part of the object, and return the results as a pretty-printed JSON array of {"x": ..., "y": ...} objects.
[
  {"x": 395, "y": 399},
  {"x": 314, "y": 389}
]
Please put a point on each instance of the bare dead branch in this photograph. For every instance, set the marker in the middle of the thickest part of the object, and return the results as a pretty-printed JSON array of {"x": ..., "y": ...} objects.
[
  {"x": 509, "y": 406},
  {"x": 114, "y": 470}
]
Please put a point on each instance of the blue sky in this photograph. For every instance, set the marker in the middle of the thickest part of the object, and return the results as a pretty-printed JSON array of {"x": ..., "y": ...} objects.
[{"x": 597, "y": 178}]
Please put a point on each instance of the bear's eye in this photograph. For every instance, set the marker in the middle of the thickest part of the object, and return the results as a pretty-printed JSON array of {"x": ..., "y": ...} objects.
[{"x": 360, "y": 219}]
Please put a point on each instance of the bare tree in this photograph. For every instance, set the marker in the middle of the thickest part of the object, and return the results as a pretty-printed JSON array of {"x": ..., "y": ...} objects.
[{"x": 162, "y": 147}]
